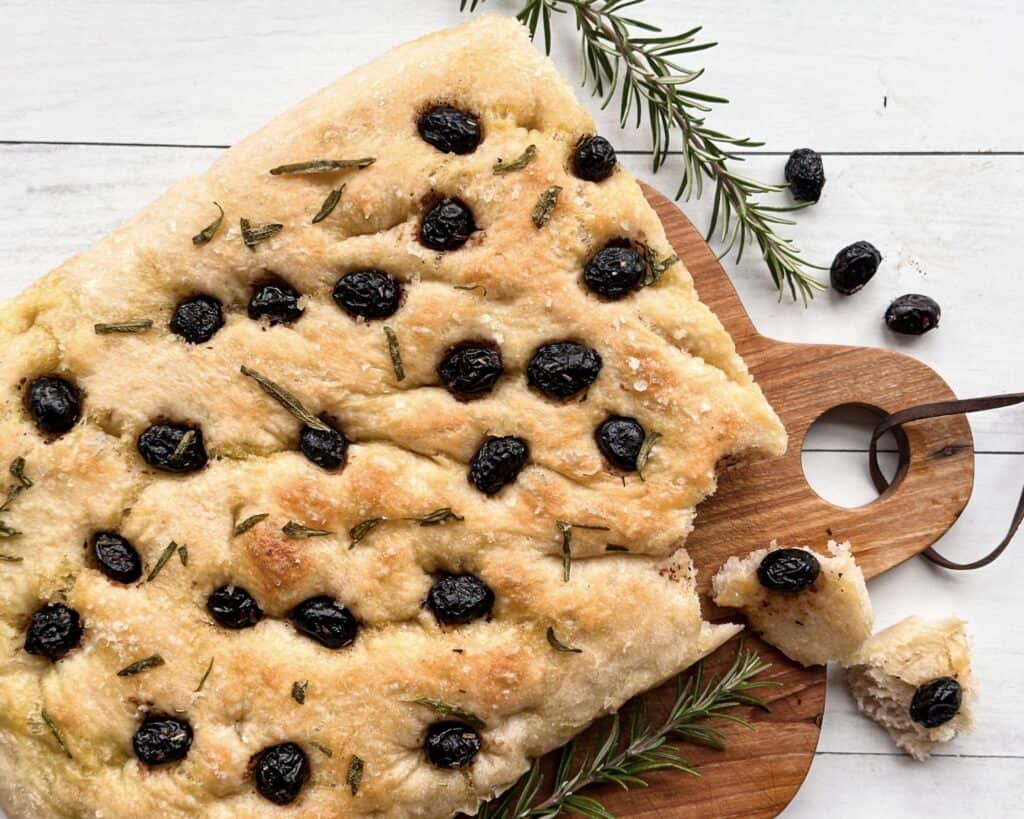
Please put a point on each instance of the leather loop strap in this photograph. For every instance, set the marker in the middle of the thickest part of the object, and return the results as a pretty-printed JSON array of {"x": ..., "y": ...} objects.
[{"x": 938, "y": 410}]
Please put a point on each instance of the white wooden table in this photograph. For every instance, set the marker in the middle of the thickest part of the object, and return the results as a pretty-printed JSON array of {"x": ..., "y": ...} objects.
[{"x": 917, "y": 106}]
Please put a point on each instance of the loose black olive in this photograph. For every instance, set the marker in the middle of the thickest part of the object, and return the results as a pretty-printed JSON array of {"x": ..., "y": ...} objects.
[
  {"x": 159, "y": 447},
  {"x": 563, "y": 368},
  {"x": 471, "y": 369},
  {"x": 280, "y": 772},
  {"x": 450, "y": 130},
  {"x": 451, "y": 744},
  {"x": 497, "y": 463},
  {"x": 615, "y": 271},
  {"x": 368, "y": 294},
  {"x": 913, "y": 314},
  {"x": 620, "y": 438},
  {"x": 788, "y": 570},
  {"x": 54, "y": 404},
  {"x": 805, "y": 175},
  {"x": 854, "y": 266},
  {"x": 459, "y": 598},
  {"x": 326, "y": 449},
  {"x": 233, "y": 607},
  {"x": 276, "y": 301},
  {"x": 936, "y": 702},
  {"x": 53, "y": 631},
  {"x": 161, "y": 739},
  {"x": 197, "y": 319},
  {"x": 447, "y": 225},
  {"x": 116, "y": 557},
  {"x": 594, "y": 159},
  {"x": 325, "y": 620}
]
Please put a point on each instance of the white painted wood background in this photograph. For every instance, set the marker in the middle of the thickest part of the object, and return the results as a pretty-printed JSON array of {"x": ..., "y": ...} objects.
[{"x": 917, "y": 106}]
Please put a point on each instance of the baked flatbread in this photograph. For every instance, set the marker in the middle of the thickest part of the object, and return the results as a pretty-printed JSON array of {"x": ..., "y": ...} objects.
[{"x": 327, "y": 521}]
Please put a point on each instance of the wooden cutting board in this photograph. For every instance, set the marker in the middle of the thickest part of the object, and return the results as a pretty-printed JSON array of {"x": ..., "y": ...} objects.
[{"x": 760, "y": 771}]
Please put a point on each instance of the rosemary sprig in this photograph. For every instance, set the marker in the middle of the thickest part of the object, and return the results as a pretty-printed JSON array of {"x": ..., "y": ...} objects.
[
  {"x": 330, "y": 203},
  {"x": 396, "y": 354},
  {"x": 141, "y": 326},
  {"x": 322, "y": 166},
  {"x": 354, "y": 775},
  {"x": 545, "y": 206},
  {"x": 249, "y": 522},
  {"x": 285, "y": 399},
  {"x": 294, "y": 529},
  {"x": 165, "y": 555},
  {"x": 155, "y": 661},
  {"x": 449, "y": 711},
  {"x": 628, "y": 747},
  {"x": 208, "y": 232},
  {"x": 500, "y": 167},
  {"x": 206, "y": 675},
  {"x": 633, "y": 60}
]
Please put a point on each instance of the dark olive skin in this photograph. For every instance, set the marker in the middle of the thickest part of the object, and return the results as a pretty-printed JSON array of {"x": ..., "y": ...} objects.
[
  {"x": 562, "y": 369},
  {"x": 450, "y": 130},
  {"x": 368, "y": 294},
  {"x": 497, "y": 463},
  {"x": 53, "y": 631},
  {"x": 788, "y": 570},
  {"x": 460, "y": 598},
  {"x": 451, "y": 744},
  {"x": 593, "y": 159},
  {"x": 913, "y": 315},
  {"x": 280, "y": 771},
  {"x": 54, "y": 404},
  {"x": 471, "y": 369},
  {"x": 805, "y": 174},
  {"x": 162, "y": 739},
  {"x": 116, "y": 557},
  {"x": 620, "y": 438},
  {"x": 327, "y": 449},
  {"x": 159, "y": 443},
  {"x": 447, "y": 225},
  {"x": 615, "y": 271},
  {"x": 936, "y": 702},
  {"x": 853, "y": 267},
  {"x": 233, "y": 607},
  {"x": 276, "y": 301},
  {"x": 325, "y": 620},
  {"x": 197, "y": 319}
]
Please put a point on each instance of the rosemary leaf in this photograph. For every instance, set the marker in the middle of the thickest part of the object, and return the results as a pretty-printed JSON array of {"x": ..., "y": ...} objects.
[
  {"x": 8, "y": 531},
  {"x": 123, "y": 327},
  {"x": 294, "y": 529},
  {"x": 170, "y": 549},
  {"x": 615, "y": 547},
  {"x": 516, "y": 164},
  {"x": 545, "y": 206},
  {"x": 656, "y": 267},
  {"x": 470, "y": 287},
  {"x": 395, "y": 353},
  {"x": 10, "y": 559},
  {"x": 183, "y": 555},
  {"x": 330, "y": 203},
  {"x": 249, "y": 522},
  {"x": 208, "y": 232},
  {"x": 206, "y": 676},
  {"x": 322, "y": 748},
  {"x": 558, "y": 645},
  {"x": 449, "y": 711},
  {"x": 252, "y": 234},
  {"x": 438, "y": 516},
  {"x": 17, "y": 469},
  {"x": 354, "y": 776},
  {"x": 183, "y": 445},
  {"x": 53, "y": 729},
  {"x": 361, "y": 530},
  {"x": 566, "y": 527},
  {"x": 286, "y": 400},
  {"x": 322, "y": 166},
  {"x": 155, "y": 661},
  {"x": 299, "y": 691},
  {"x": 650, "y": 439}
]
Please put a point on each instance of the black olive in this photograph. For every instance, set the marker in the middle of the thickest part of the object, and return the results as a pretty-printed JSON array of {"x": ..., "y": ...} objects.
[
  {"x": 54, "y": 404},
  {"x": 471, "y": 369},
  {"x": 936, "y": 702},
  {"x": 447, "y": 225},
  {"x": 451, "y": 744},
  {"x": 459, "y": 598},
  {"x": 593, "y": 159},
  {"x": 563, "y": 368},
  {"x": 788, "y": 570},
  {"x": 160, "y": 739},
  {"x": 325, "y": 620},
  {"x": 497, "y": 463},
  {"x": 116, "y": 557},
  {"x": 158, "y": 445},
  {"x": 276, "y": 301},
  {"x": 854, "y": 266},
  {"x": 233, "y": 607},
  {"x": 913, "y": 314},
  {"x": 805, "y": 175},
  {"x": 197, "y": 319},
  {"x": 619, "y": 438},
  {"x": 615, "y": 271},
  {"x": 53, "y": 631},
  {"x": 368, "y": 294},
  {"x": 280, "y": 772},
  {"x": 450, "y": 130},
  {"x": 326, "y": 449}
]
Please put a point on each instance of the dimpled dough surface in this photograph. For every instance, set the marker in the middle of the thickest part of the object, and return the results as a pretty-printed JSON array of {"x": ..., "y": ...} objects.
[{"x": 666, "y": 362}]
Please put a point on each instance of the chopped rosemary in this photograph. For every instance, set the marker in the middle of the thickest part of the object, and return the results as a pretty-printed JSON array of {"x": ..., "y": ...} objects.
[
  {"x": 206, "y": 676},
  {"x": 295, "y": 529},
  {"x": 469, "y": 287},
  {"x": 322, "y": 748},
  {"x": 183, "y": 445},
  {"x": 53, "y": 729},
  {"x": 10, "y": 559},
  {"x": 644, "y": 455},
  {"x": 558, "y": 645},
  {"x": 517, "y": 164},
  {"x": 249, "y": 522},
  {"x": 615, "y": 547},
  {"x": 286, "y": 400},
  {"x": 566, "y": 527},
  {"x": 437, "y": 517},
  {"x": 8, "y": 531},
  {"x": 354, "y": 776},
  {"x": 545, "y": 206},
  {"x": 170, "y": 549},
  {"x": 395, "y": 353},
  {"x": 155, "y": 661},
  {"x": 252, "y": 234},
  {"x": 322, "y": 166},
  {"x": 449, "y": 711},
  {"x": 208, "y": 232},
  {"x": 17, "y": 469},
  {"x": 330, "y": 203},
  {"x": 183, "y": 555},
  {"x": 123, "y": 327},
  {"x": 361, "y": 530},
  {"x": 299, "y": 691},
  {"x": 656, "y": 268}
]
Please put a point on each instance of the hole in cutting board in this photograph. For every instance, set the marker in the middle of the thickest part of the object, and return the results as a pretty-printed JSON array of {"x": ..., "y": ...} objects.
[{"x": 835, "y": 455}]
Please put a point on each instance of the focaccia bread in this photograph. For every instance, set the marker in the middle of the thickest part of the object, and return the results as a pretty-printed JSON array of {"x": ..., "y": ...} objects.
[
  {"x": 334, "y": 506},
  {"x": 813, "y": 608},
  {"x": 915, "y": 680}
]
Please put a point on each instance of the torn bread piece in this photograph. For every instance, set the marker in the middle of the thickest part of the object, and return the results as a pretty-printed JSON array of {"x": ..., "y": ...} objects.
[{"x": 813, "y": 608}]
